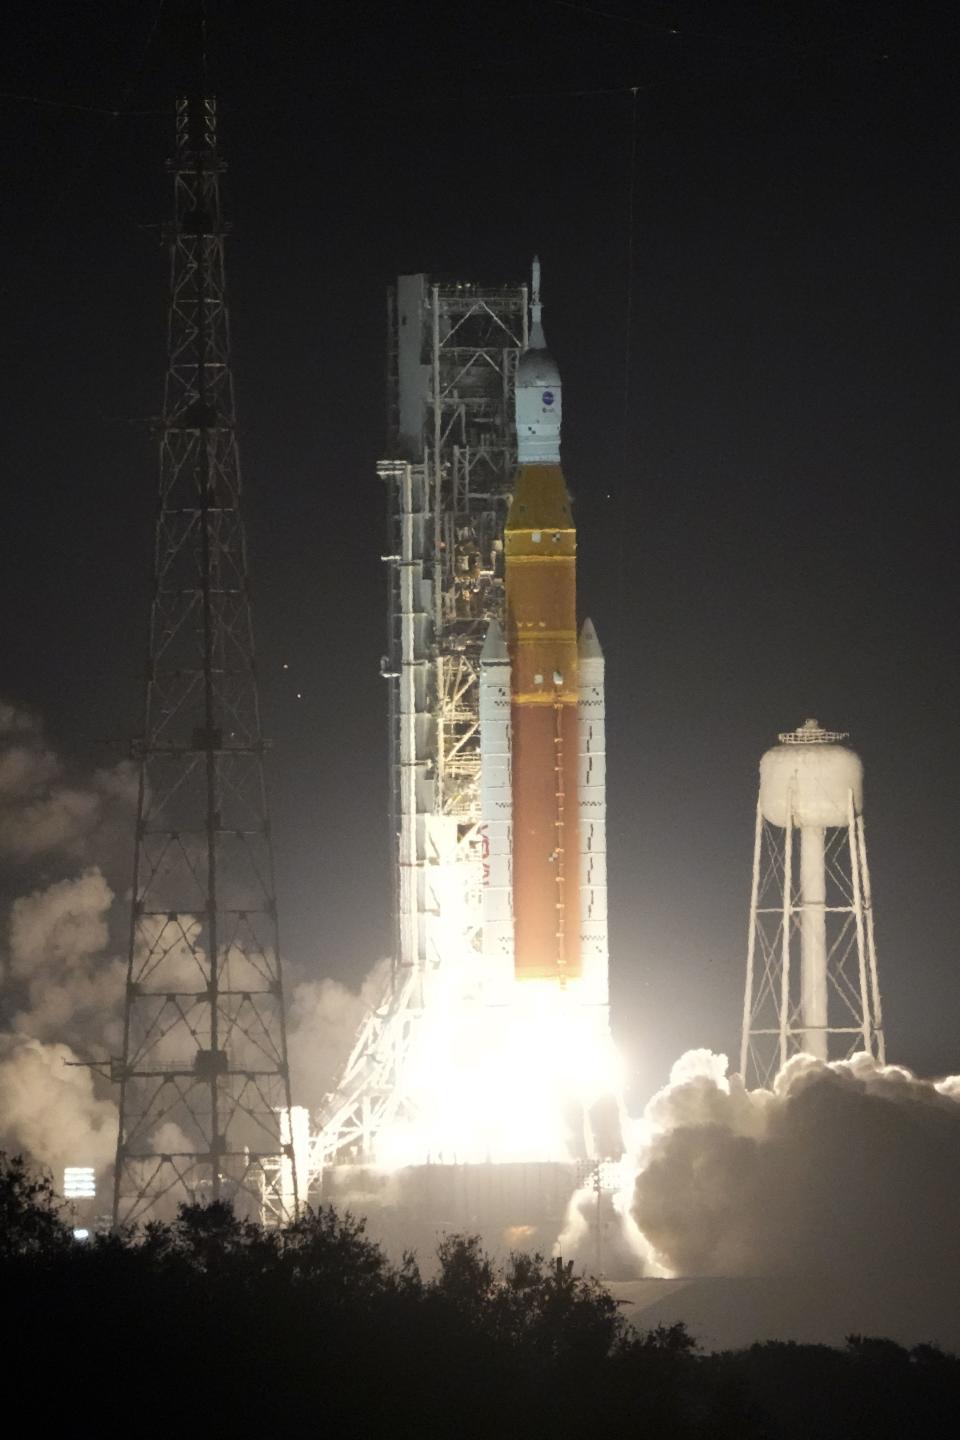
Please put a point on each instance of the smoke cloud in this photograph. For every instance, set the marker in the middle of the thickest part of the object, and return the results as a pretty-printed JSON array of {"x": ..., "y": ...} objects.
[
  {"x": 324, "y": 1018},
  {"x": 44, "y": 812},
  {"x": 49, "y": 1109},
  {"x": 842, "y": 1180},
  {"x": 58, "y": 939},
  {"x": 61, "y": 979},
  {"x": 63, "y": 966},
  {"x": 64, "y": 989}
]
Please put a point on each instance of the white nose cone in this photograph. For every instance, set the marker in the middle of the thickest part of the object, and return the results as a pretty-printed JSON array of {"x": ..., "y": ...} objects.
[{"x": 539, "y": 399}]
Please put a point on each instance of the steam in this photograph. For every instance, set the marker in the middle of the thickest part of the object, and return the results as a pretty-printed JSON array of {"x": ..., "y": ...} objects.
[
  {"x": 43, "y": 812},
  {"x": 842, "y": 1178},
  {"x": 62, "y": 985},
  {"x": 61, "y": 980},
  {"x": 50, "y": 1110},
  {"x": 58, "y": 937},
  {"x": 324, "y": 1019}
]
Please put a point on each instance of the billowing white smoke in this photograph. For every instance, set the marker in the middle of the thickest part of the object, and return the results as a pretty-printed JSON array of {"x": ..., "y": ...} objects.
[
  {"x": 68, "y": 985},
  {"x": 600, "y": 1233},
  {"x": 60, "y": 982},
  {"x": 324, "y": 1019},
  {"x": 43, "y": 812},
  {"x": 840, "y": 1168},
  {"x": 62, "y": 959},
  {"x": 49, "y": 1109},
  {"x": 842, "y": 1179}
]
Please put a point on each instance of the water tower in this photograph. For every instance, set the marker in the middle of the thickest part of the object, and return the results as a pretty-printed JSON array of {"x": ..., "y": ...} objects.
[{"x": 812, "y": 982}]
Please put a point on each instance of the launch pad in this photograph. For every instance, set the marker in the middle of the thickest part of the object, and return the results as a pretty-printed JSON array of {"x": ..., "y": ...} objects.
[
  {"x": 495, "y": 1025},
  {"x": 519, "y": 1206},
  {"x": 483, "y": 1092}
]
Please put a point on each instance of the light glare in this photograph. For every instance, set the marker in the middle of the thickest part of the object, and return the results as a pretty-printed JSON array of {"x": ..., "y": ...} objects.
[
  {"x": 79, "y": 1182},
  {"x": 504, "y": 1084}
]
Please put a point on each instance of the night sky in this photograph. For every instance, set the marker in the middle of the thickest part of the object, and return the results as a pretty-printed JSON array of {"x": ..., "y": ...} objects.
[{"x": 763, "y": 461}]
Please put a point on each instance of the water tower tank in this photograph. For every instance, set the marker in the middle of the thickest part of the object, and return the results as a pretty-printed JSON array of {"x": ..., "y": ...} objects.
[{"x": 812, "y": 773}]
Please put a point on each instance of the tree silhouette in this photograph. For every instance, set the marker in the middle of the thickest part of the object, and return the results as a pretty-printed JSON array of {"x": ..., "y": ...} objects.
[
  {"x": 210, "y": 1323},
  {"x": 32, "y": 1220}
]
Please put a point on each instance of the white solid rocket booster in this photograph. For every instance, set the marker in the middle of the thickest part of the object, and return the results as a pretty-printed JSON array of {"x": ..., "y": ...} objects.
[
  {"x": 591, "y": 709},
  {"x": 496, "y": 805}
]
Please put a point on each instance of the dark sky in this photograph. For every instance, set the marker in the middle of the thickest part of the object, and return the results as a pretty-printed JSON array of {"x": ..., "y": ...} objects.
[{"x": 766, "y": 530}]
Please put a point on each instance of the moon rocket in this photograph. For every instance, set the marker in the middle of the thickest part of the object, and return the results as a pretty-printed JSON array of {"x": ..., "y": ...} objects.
[{"x": 542, "y": 721}]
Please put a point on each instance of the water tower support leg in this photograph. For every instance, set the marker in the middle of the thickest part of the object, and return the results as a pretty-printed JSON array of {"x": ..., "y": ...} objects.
[
  {"x": 751, "y": 945},
  {"x": 871, "y": 944},
  {"x": 858, "y": 915}
]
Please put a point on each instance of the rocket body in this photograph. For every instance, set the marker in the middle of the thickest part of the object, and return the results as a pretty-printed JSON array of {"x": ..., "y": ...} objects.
[
  {"x": 542, "y": 724},
  {"x": 541, "y": 613}
]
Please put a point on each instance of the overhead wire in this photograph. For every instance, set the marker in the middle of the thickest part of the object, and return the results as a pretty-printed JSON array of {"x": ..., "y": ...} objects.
[
  {"x": 123, "y": 112},
  {"x": 112, "y": 115},
  {"x": 751, "y": 45},
  {"x": 752, "y": 48},
  {"x": 625, "y": 435},
  {"x": 46, "y": 103},
  {"x": 112, "y": 112}
]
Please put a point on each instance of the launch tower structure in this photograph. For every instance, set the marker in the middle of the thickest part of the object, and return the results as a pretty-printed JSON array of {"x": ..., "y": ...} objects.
[
  {"x": 205, "y": 1110},
  {"x": 812, "y": 983},
  {"x": 453, "y": 351}
]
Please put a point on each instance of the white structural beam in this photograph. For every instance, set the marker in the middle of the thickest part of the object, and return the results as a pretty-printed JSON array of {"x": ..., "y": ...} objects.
[
  {"x": 592, "y": 782},
  {"x": 496, "y": 803}
]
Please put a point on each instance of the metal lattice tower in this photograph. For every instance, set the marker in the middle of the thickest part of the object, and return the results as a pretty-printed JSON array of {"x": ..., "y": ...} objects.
[
  {"x": 812, "y": 983},
  {"x": 452, "y": 360},
  {"x": 204, "y": 1082}
]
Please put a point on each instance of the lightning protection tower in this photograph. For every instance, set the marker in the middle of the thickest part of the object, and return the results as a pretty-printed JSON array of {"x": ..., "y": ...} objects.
[
  {"x": 812, "y": 981},
  {"x": 204, "y": 1086}
]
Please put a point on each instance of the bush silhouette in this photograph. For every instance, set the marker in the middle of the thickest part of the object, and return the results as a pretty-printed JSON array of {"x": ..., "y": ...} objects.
[{"x": 213, "y": 1325}]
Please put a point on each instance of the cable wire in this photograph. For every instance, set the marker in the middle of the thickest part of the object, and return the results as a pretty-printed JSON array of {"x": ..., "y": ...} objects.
[{"x": 627, "y": 371}]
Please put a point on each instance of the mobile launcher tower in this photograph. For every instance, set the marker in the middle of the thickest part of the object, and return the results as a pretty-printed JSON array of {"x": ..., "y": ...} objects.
[{"x": 482, "y": 1090}]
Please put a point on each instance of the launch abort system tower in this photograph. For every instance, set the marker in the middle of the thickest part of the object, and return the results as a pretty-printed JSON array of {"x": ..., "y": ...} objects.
[{"x": 204, "y": 1086}]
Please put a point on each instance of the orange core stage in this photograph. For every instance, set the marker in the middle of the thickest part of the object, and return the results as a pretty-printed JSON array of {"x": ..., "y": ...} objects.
[{"x": 540, "y": 548}]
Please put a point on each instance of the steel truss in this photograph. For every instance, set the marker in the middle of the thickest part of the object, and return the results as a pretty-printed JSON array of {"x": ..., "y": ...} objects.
[
  {"x": 452, "y": 359},
  {"x": 774, "y": 1026},
  {"x": 204, "y": 1083}
]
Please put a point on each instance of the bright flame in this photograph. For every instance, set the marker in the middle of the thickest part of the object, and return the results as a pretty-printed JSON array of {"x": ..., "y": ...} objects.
[{"x": 513, "y": 1082}]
